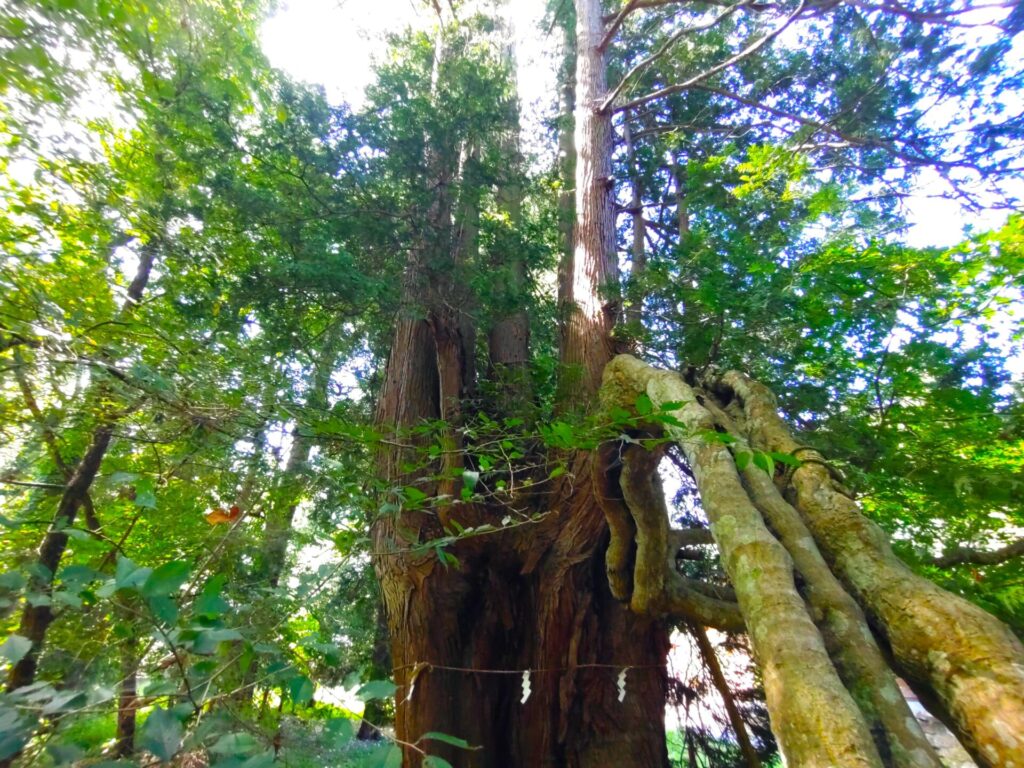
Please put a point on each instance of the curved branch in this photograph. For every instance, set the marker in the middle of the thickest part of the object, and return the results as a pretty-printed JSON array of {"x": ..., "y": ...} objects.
[
  {"x": 644, "y": 63},
  {"x": 616, "y": 24},
  {"x": 969, "y": 556},
  {"x": 619, "y": 555},
  {"x": 971, "y": 660},
  {"x": 639, "y": 561},
  {"x": 722, "y": 66}
]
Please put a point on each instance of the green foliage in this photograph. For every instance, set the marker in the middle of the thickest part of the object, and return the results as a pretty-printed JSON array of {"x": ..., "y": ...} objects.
[{"x": 239, "y": 388}]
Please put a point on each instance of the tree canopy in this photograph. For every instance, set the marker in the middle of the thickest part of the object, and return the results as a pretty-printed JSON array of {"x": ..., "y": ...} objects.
[{"x": 297, "y": 397}]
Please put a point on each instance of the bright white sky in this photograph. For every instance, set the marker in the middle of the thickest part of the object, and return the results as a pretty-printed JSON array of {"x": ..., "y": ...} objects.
[{"x": 333, "y": 43}]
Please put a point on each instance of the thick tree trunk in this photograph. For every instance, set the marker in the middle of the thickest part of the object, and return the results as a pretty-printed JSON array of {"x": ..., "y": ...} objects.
[
  {"x": 814, "y": 719},
  {"x": 462, "y": 637},
  {"x": 533, "y": 597},
  {"x": 971, "y": 660}
]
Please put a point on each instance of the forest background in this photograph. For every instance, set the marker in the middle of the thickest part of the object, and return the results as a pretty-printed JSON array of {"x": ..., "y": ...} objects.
[{"x": 208, "y": 264}]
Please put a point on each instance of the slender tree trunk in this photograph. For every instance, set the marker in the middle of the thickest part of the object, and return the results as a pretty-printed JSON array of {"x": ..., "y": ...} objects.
[
  {"x": 592, "y": 276},
  {"x": 127, "y": 699},
  {"x": 509, "y": 337},
  {"x": 707, "y": 653},
  {"x": 638, "y": 252},
  {"x": 37, "y": 618},
  {"x": 281, "y": 514},
  {"x": 566, "y": 162}
]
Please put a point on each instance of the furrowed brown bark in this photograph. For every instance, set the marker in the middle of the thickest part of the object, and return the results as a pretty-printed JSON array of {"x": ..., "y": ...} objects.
[
  {"x": 591, "y": 306},
  {"x": 971, "y": 660}
]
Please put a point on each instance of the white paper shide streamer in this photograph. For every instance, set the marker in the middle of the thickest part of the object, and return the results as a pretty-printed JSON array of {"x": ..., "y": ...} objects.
[
  {"x": 622, "y": 685},
  {"x": 526, "y": 686}
]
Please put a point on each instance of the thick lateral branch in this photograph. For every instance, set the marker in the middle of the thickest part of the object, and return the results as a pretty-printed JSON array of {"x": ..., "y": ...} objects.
[
  {"x": 970, "y": 556},
  {"x": 857, "y": 656},
  {"x": 970, "y": 659},
  {"x": 813, "y": 716},
  {"x": 689, "y": 537}
]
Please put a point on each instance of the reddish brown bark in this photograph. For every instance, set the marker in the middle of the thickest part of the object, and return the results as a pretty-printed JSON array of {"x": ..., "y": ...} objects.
[{"x": 589, "y": 291}]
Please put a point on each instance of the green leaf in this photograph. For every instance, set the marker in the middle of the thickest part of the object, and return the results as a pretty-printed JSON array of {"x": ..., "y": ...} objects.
[
  {"x": 743, "y": 460},
  {"x": 161, "y": 734},
  {"x": 376, "y": 689},
  {"x": 341, "y": 731},
  {"x": 261, "y": 760},
  {"x": 785, "y": 458},
  {"x": 453, "y": 740},
  {"x": 164, "y": 609},
  {"x": 413, "y": 496},
  {"x": 15, "y": 648},
  {"x": 127, "y": 575},
  {"x": 167, "y": 579},
  {"x": 12, "y": 741},
  {"x": 208, "y": 640},
  {"x": 301, "y": 689},
  {"x": 763, "y": 461},
  {"x": 643, "y": 404},
  {"x": 11, "y": 581},
  {"x": 433, "y": 761},
  {"x": 64, "y": 700},
  {"x": 556, "y": 472},
  {"x": 236, "y": 744},
  {"x": 209, "y": 603},
  {"x": 145, "y": 494}
]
